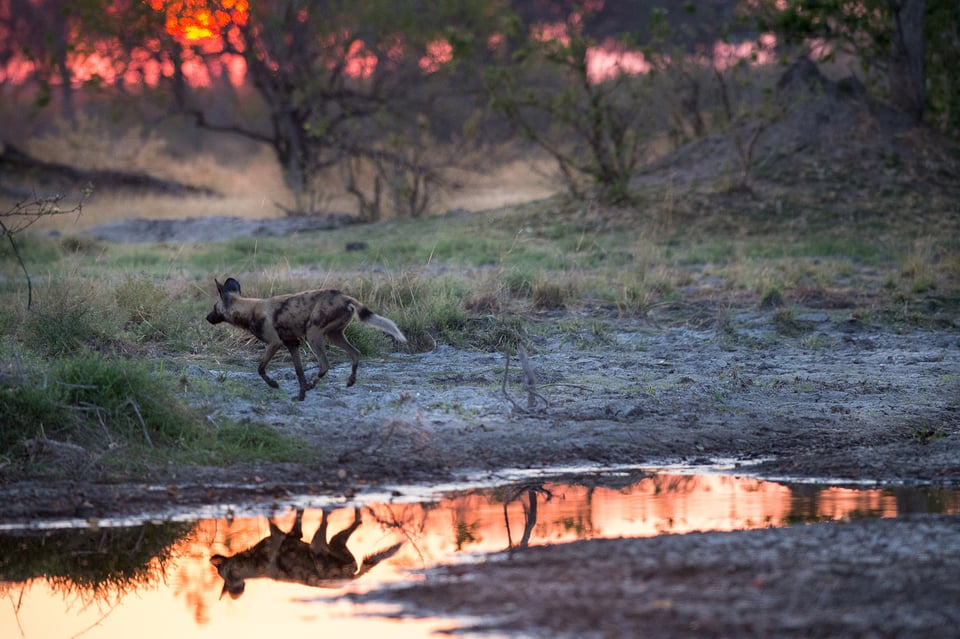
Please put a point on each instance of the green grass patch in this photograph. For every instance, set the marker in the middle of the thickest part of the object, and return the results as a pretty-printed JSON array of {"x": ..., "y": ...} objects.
[{"x": 129, "y": 415}]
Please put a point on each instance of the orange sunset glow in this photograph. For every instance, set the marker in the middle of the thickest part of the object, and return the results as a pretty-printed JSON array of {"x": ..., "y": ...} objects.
[
  {"x": 188, "y": 602},
  {"x": 201, "y": 19},
  {"x": 204, "y": 24}
]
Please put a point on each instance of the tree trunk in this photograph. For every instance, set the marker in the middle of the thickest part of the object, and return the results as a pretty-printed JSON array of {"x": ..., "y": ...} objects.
[
  {"x": 60, "y": 46},
  {"x": 907, "y": 82}
]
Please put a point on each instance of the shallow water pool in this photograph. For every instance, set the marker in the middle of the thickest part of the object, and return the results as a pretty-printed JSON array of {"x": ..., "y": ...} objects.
[{"x": 226, "y": 570}]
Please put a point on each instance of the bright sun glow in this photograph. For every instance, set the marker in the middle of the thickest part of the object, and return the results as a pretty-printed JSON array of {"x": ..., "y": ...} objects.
[
  {"x": 194, "y": 20},
  {"x": 204, "y": 24}
]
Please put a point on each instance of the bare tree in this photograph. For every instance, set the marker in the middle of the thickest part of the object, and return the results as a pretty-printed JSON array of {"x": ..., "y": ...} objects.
[
  {"x": 336, "y": 77},
  {"x": 886, "y": 35},
  {"x": 596, "y": 130}
]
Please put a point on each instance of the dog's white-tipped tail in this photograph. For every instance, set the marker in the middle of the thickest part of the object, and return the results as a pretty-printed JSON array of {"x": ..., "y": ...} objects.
[{"x": 385, "y": 325}]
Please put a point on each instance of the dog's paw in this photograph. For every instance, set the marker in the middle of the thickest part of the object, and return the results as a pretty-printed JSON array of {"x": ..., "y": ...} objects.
[{"x": 272, "y": 383}]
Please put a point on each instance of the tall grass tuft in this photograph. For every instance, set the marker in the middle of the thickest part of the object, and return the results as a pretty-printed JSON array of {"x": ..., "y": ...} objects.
[
  {"x": 134, "y": 404},
  {"x": 425, "y": 308},
  {"x": 62, "y": 331},
  {"x": 27, "y": 410}
]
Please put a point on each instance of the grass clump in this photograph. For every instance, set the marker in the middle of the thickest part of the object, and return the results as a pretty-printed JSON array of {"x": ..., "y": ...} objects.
[
  {"x": 128, "y": 415},
  {"x": 243, "y": 442},
  {"x": 151, "y": 314},
  {"x": 427, "y": 309},
  {"x": 548, "y": 295},
  {"x": 772, "y": 297},
  {"x": 27, "y": 410},
  {"x": 64, "y": 319},
  {"x": 133, "y": 403}
]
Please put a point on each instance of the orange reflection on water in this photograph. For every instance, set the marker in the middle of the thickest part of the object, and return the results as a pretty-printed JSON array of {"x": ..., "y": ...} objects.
[{"x": 186, "y": 601}]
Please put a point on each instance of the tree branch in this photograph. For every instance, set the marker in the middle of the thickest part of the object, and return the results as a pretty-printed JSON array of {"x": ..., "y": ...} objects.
[{"x": 25, "y": 214}]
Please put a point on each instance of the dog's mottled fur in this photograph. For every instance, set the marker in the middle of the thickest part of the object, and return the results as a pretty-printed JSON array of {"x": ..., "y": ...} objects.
[
  {"x": 283, "y": 320},
  {"x": 286, "y": 557}
]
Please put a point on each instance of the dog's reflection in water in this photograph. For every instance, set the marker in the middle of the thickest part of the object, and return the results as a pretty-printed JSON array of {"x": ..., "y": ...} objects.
[{"x": 286, "y": 557}]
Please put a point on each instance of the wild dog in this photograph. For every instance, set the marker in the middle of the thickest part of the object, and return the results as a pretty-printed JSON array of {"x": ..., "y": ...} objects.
[
  {"x": 286, "y": 557},
  {"x": 319, "y": 315}
]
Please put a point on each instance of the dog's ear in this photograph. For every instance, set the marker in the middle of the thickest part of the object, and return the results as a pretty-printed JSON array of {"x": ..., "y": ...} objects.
[
  {"x": 227, "y": 289},
  {"x": 232, "y": 285}
]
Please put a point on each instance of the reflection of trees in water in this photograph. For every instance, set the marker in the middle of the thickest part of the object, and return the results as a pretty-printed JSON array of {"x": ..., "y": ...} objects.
[
  {"x": 814, "y": 502},
  {"x": 409, "y": 520},
  {"x": 533, "y": 492},
  {"x": 98, "y": 566}
]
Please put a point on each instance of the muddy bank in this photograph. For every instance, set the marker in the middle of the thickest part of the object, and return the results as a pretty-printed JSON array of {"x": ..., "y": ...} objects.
[
  {"x": 874, "y": 578},
  {"x": 839, "y": 400}
]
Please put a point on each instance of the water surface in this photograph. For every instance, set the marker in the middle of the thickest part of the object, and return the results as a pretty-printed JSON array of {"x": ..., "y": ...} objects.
[{"x": 156, "y": 580}]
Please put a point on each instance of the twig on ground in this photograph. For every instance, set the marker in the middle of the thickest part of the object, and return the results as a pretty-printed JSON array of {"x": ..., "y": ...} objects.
[
  {"x": 528, "y": 383},
  {"x": 143, "y": 424}
]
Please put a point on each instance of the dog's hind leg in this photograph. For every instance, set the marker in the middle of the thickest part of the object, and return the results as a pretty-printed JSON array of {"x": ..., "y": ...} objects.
[
  {"x": 294, "y": 348},
  {"x": 268, "y": 354},
  {"x": 319, "y": 347},
  {"x": 338, "y": 339},
  {"x": 337, "y": 547}
]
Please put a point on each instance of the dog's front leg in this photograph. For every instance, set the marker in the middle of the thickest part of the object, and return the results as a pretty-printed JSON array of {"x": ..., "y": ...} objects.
[
  {"x": 298, "y": 365},
  {"x": 262, "y": 369}
]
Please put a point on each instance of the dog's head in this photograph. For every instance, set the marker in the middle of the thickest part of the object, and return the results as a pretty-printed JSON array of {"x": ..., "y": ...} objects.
[
  {"x": 226, "y": 291},
  {"x": 233, "y": 584}
]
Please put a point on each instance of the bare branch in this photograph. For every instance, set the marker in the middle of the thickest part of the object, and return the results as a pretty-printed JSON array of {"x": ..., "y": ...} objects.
[
  {"x": 528, "y": 384},
  {"x": 25, "y": 214}
]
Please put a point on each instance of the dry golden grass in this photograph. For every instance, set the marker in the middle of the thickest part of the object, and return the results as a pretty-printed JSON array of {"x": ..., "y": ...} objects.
[
  {"x": 250, "y": 179},
  {"x": 254, "y": 192}
]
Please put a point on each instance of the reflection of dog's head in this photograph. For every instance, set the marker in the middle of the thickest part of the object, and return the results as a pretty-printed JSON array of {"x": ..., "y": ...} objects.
[
  {"x": 226, "y": 291},
  {"x": 231, "y": 586}
]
